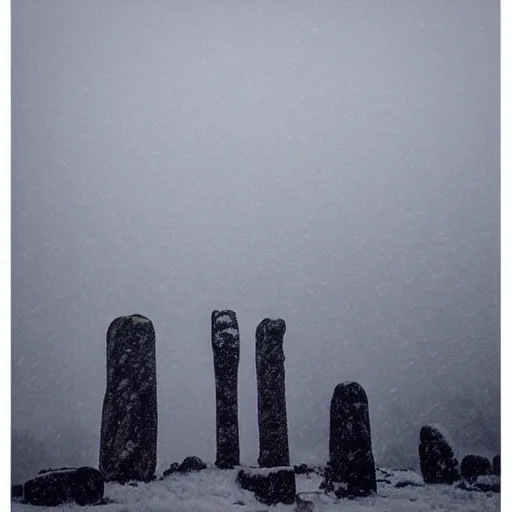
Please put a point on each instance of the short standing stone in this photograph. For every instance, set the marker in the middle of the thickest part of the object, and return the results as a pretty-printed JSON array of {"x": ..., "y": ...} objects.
[
  {"x": 473, "y": 466},
  {"x": 226, "y": 356},
  {"x": 351, "y": 461},
  {"x": 272, "y": 419},
  {"x": 438, "y": 461},
  {"x": 269, "y": 485},
  {"x": 129, "y": 419},
  {"x": 496, "y": 465},
  {"x": 84, "y": 486}
]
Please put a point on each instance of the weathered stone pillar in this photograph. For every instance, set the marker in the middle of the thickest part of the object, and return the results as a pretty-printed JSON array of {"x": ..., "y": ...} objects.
[
  {"x": 272, "y": 420},
  {"x": 350, "y": 446},
  {"x": 129, "y": 419},
  {"x": 226, "y": 356}
]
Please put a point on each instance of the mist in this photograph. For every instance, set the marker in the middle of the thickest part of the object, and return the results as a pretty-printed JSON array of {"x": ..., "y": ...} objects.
[{"x": 334, "y": 164}]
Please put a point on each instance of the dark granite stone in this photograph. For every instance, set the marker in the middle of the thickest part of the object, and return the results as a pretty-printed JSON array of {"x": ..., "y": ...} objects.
[
  {"x": 472, "y": 466},
  {"x": 272, "y": 419},
  {"x": 438, "y": 462},
  {"x": 129, "y": 419},
  {"x": 276, "y": 485},
  {"x": 226, "y": 356},
  {"x": 84, "y": 486},
  {"x": 351, "y": 461}
]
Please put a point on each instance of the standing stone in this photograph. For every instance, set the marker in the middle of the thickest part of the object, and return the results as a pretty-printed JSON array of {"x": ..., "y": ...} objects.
[
  {"x": 351, "y": 461},
  {"x": 226, "y": 356},
  {"x": 129, "y": 419},
  {"x": 272, "y": 420},
  {"x": 438, "y": 462}
]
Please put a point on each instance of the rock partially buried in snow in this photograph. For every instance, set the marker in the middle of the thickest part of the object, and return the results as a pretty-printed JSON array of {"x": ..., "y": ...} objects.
[
  {"x": 129, "y": 418},
  {"x": 173, "y": 468},
  {"x": 191, "y": 464},
  {"x": 483, "y": 483},
  {"x": 84, "y": 486},
  {"x": 488, "y": 483},
  {"x": 272, "y": 419},
  {"x": 473, "y": 466},
  {"x": 269, "y": 485},
  {"x": 438, "y": 462},
  {"x": 226, "y": 356},
  {"x": 351, "y": 467}
]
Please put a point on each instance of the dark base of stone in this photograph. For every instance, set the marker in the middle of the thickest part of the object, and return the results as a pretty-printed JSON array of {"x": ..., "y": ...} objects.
[
  {"x": 84, "y": 486},
  {"x": 226, "y": 465},
  {"x": 269, "y": 487},
  {"x": 360, "y": 481},
  {"x": 473, "y": 466}
]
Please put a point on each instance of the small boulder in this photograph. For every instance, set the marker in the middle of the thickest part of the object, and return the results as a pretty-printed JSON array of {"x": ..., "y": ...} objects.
[
  {"x": 84, "y": 486},
  {"x": 483, "y": 483},
  {"x": 269, "y": 485},
  {"x": 191, "y": 464},
  {"x": 472, "y": 466}
]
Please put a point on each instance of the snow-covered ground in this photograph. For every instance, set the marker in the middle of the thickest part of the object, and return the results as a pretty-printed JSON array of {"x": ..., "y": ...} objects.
[{"x": 213, "y": 490}]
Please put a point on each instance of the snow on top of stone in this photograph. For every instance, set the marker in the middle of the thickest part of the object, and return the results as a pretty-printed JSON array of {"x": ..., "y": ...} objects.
[
  {"x": 488, "y": 479},
  {"x": 223, "y": 319},
  {"x": 231, "y": 330},
  {"x": 59, "y": 471},
  {"x": 138, "y": 319}
]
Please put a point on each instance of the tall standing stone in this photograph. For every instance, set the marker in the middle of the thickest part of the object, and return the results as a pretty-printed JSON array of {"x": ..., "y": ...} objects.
[
  {"x": 129, "y": 419},
  {"x": 272, "y": 420},
  {"x": 226, "y": 356},
  {"x": 351, "y": 461}
]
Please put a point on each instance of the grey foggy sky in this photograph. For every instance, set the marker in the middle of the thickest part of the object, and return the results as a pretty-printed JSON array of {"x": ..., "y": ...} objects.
[{"x": 335, "y": 164}]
